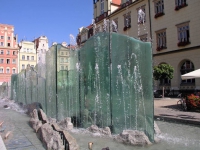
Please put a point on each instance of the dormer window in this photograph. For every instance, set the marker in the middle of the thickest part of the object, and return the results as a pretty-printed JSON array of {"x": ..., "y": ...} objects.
[{"x": 102, "y": 6}]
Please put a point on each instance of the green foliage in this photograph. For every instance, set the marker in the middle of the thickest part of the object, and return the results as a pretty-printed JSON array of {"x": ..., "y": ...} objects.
[{"x": 163, "y": 71}]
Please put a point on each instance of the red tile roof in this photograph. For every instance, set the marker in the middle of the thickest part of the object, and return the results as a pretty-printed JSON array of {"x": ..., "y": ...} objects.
[{"x": 117, "y": 2}]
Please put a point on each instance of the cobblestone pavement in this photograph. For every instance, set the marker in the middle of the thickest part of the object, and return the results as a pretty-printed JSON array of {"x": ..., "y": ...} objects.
[
  {"x": 168, "y": 109},
  {"x": 22, "y": 136}
]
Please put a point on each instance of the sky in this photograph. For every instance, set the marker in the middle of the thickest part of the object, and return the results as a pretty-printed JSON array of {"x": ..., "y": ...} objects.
[{"x": 56, "y": 19}]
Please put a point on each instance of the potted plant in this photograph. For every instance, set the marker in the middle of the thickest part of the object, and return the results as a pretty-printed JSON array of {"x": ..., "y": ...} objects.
[{"x": 193, "y": 102}]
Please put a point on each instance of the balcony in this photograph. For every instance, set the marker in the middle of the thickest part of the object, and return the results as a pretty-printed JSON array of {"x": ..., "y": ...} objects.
[
  {"x": 180, "y": 6},
  {"x": 159, "y": 14},
  {"x": 127, "y": 27},
  {"x": 184, "y": 43},
  {"x": 159, "y": 48}
]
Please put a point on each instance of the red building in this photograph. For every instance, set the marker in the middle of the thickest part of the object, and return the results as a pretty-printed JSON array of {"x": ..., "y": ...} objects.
[{"x": 8, "y": 52}]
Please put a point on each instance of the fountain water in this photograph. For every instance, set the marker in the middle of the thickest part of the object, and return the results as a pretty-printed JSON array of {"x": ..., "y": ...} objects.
[
  {"x": 108, "y": 82},
  {"x": 97, "y": 87}
]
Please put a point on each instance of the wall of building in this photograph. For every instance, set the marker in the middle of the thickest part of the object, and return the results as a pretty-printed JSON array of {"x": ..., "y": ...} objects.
[
  {"x": 173, "y": 54},
  {"x": 8, "y": 52},
  {"x": 27, "y": 49},
  {"x": 42, "y": 47}
]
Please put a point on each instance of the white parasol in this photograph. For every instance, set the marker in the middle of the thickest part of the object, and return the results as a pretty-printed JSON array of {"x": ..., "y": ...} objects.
[{"x": 191, "y": 75}]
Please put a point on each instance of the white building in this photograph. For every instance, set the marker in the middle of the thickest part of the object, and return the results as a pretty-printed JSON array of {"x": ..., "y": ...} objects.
[{"x": 42, "y": 47}]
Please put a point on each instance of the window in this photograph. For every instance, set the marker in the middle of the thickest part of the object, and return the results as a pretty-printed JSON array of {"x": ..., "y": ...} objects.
[
  {"x": 2, "y": 37},
  {"x": 23, "y": 57},
  {"x": 8, "y": 44},
  {"x": 62, "y": 68},
  {"x": 1, "y": 70},
  {"x": 62, "y": 53},
  {"x": 23, "y": 66},
  {"x": 187, "y": 67},
  {"x": 141, "y": 15},
  {"x": 161, "y": 40},
  {"x": 143, "y": 38},
  {"x": 165, "y": 81},
  {"x": 159, "y": 8},
  {"x": 8, "y": 61},
  {"x": 7, "y": 70},
  {"x": 66, "y": 67},
  {"x": 62, "y": 60},
  {"x": 115, "y": 25},
  {"x": 8, "y": 52},
  {"x": 24, "y": 49},
  {"x": 66, "y": 60},
  {"x": 14, "y": 52},
  {"x": 13, "y": 71},
  {"x": 1, "y": 52},
  {"x": 32, "y": 57},
  {"x": 183, "y": 34},
  {"x": 8, "y": 37},
  {"x": 102, "y": 6},
  {"x": 127, "y": 21},
  {"x": 27, "y": 57},
  {"x": 14, "y": 61},
  {"x": 27, "y": 50},
  {"x": 180, "y": 4},
  {"x": 1, "y": 61},
  {"x": 84, "y": 37},
  {"x": 1, "y": 44}
]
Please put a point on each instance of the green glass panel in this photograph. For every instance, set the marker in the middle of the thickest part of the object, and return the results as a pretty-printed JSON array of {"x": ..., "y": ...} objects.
[
  {"x": 94, "y": 58},
  {"x": 14, "y": 87},
  {"x": 21, "y": 88},
  {"x": 41, "y": 93},
  {"x": 51, "y": 82},
  {"x": 62, "y": 82},
  {"x": 132, "y": 100},
  {"x": 108, "y": 82}
]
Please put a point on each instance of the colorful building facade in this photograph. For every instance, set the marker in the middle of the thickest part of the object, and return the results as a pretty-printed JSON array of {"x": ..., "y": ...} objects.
[
  {"x": 42, "y": 47},
  {"x": 27, "y": 55},
  {"x": 172, "y": 27},
  {"x": 8, "y": 52}
]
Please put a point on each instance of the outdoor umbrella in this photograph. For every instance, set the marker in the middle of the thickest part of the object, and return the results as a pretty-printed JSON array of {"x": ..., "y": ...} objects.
[{"x": 191, "y": 75}]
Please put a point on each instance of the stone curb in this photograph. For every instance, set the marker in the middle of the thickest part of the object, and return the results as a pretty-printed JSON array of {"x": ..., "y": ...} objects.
[
  {"x": 2, "y": 145},
  {"x": 176, "y": 120}
]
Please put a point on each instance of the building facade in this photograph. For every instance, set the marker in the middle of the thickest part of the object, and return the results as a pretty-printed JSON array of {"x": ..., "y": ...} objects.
[
  {"x": 8, "y": 52},
  {"x": 172, "y": 27},
  {"x": 27, "y": 55},
  {"x": 42, "y": 47},
  {"x": 63, "y": 57}
]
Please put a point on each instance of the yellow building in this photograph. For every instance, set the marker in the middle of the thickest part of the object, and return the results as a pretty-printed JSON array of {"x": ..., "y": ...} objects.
[
  {"x": 63, "y": 57},
  {"x": 27, "y": 55},
  {"x": 171, "y": 26}
]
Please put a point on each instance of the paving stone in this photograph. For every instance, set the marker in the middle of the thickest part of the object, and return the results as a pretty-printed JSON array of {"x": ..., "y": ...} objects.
[
  {"x": 18, "y": 143},
  {"x": 22, "y": 135}
]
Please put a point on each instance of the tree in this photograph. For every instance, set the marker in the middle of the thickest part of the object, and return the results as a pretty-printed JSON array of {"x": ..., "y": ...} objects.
[{"x": 163, "y": 71}]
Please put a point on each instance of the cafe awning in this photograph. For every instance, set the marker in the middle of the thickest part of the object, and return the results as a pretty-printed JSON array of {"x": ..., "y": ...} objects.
[{"x": 191, "y": 75}]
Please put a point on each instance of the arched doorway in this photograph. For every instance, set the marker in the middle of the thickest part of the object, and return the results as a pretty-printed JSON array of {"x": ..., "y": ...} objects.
[{"x": 186, "y": 67}]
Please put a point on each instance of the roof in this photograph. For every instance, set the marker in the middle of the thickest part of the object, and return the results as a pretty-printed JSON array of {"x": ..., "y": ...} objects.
[{"x": 116, "y": 2}]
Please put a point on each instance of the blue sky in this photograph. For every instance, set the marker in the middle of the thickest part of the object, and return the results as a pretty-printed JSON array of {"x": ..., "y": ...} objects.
[{"x": 56, "y": 19}]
